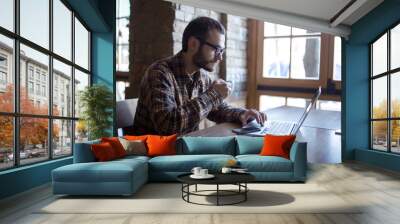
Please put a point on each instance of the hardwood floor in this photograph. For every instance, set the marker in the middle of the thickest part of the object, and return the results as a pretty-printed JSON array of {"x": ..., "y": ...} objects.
[{"x": 378, "y": 189}]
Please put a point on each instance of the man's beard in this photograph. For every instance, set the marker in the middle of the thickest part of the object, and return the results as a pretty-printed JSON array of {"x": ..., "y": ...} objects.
[{"x": 201, "y": 62}]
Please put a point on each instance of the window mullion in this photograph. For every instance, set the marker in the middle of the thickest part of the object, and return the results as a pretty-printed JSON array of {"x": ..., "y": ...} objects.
[
  {"x": 16, "y": 84},
  {"x": 389, "y": 112},
  {"x": 50, "y": 81}
]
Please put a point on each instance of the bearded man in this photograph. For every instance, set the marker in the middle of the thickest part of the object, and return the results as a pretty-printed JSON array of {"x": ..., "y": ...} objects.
[{"x": 176, "y": 94}]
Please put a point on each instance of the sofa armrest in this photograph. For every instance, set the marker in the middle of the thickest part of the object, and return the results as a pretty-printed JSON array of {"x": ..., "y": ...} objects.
[
  {"x": 83, "y": 152},
  {"x": 298, "y": 155}
]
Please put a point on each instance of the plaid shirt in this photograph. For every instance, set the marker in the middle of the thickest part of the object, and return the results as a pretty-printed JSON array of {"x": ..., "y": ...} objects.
[{"x": 170, "y": 101}]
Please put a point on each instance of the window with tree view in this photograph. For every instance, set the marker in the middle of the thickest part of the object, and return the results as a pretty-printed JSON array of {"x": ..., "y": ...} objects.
[
  {"x": 385, "y": 94},
  {"x": 38, "y": 82}
]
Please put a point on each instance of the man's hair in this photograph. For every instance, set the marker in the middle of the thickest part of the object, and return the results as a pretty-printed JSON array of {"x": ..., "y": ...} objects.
[{"x": 199, "y": 28}]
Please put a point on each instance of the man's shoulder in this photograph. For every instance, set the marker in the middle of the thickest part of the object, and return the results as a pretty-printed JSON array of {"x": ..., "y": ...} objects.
[{"x": 161, "y": 65}]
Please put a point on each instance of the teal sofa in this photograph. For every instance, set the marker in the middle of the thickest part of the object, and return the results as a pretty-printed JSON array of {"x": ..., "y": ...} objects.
[{"x": 125, "y": 176}]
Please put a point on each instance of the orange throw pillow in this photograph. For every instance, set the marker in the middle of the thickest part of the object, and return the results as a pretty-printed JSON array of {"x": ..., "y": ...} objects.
[
  {"x": 116, "y": 145},
  {"x": 161, "y": 145},
  {"x": 103, "y": 152},
  {"x": 277, "y": 145},
  {"x": 135, "y": 138}
]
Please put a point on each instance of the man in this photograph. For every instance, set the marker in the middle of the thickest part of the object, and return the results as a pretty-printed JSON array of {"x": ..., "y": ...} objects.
[{"x": 176, "y": 94}]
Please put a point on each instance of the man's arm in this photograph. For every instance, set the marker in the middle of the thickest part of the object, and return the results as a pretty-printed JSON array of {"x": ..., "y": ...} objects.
[
  {"x": 226, "y": 113},
  {"x": 166, "y": 116}
]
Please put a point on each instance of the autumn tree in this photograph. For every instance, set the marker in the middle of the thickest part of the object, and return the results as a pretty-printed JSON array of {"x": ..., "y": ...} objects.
[{"x": 33, "y": 131}]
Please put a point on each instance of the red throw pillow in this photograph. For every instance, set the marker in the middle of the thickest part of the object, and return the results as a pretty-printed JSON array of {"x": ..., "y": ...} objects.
[
  {"x": 103, "y": 151},
  {"x": 277, "y": 145},
  {"x": 116, "y": 145},
  {"x": 161, "y": 145},
  {"x": 134, "y": 137}
]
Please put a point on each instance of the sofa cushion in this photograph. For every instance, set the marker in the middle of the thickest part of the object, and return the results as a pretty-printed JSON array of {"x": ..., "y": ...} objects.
[
  {"x": 103, "y": 152},
  {"x": 248, "y": 145},
  {"x": 277, "y": 145},
  {"x": 257, "y": 163},
  {"x": 116, "y": 145},
  {"x": 111, "y": 171},
  {"x": 185, "y": 163},
  {"x": 206, "y": 145},
  {"x": 159, "y": 145}
]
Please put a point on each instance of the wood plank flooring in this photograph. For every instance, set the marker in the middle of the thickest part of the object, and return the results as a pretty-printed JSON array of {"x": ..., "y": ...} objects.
[{"x": 377, "y": 188}]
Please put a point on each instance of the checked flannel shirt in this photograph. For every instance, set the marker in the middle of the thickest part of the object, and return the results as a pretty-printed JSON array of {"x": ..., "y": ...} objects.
[{"x": 170, "y": 101}]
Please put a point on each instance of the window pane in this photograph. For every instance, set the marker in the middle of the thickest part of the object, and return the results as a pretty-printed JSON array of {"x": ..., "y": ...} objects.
[
  {"x": 269, "y": 102},
  {"x": 305, "y": 58},
  {"x": 62, "y": 138},
  {"x": 379, "y": 56},
  {"x": 62, "y": 89},
  {"x": 395, "y": 47},
  {"x": 298, "y": 31},
  {"x": 81, "y": 45},
  {"x": 62, "y": 29},
  {"x": 36, "y": 64},
  {"x": 123, "y": 58},
  {"x": 33, "y": 139},
  {"x": 395, "y": 95},
  {"x": 81, "y": 81},
  {"x": 379, "y": 98},
  {"x": 379, "y": 135},
  {"x": 123, "y": 31},
  {"x": 296, "y": 102},
  {"x": 395, "y": 136},
  {"x": 81, "y": 131},
  {"x": 276, "y": 58},
  {"x": 123, "y": 8},
  {"x": 337, "y": 60},
  {"x": 35, "y": 21},
  {"x": 6, "y": 142},
  {"x": 7, "y": 14},
  {"x": 6, "y": 74},
  {"x": 272, "y": 29}
]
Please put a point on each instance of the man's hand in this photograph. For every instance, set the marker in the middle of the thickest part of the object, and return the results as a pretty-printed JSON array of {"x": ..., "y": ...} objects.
[
  {"x": 253, "y": 114},
  {"x": 222, "y": 88}
]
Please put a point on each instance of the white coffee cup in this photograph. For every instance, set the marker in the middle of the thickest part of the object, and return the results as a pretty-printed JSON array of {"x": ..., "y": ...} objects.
[
  {"x": 226, "y": 170},
  {"x": 196, "y": 170},
  {"x": 203, "y": 172}
]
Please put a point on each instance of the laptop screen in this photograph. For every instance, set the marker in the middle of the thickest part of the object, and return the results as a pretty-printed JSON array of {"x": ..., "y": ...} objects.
[{"x": 307, "y": 110}]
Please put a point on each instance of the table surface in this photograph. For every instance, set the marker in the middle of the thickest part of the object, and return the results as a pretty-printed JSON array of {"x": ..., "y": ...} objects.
[{"x": 220, "y": 178}]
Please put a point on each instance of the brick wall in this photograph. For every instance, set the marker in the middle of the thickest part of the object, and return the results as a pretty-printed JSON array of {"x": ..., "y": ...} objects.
[
  {"x": 236, "y": 58},
  {"x": 183, "y": 15},
  {"x": 150, "y": 38}
]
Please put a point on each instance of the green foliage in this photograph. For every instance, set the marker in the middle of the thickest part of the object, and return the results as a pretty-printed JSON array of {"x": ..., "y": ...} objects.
[{"x": 96, "y": 102}]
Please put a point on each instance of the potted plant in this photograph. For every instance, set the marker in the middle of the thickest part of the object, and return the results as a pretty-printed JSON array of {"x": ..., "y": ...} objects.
[{"x": 96, "y": 102}]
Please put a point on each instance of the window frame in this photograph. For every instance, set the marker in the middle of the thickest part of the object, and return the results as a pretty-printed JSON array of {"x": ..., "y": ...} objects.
[
  {"x": 388, "y": 74},
  {"x": 16, "y": 115}
]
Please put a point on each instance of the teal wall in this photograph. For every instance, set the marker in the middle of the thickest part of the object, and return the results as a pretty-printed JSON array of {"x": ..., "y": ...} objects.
[
  {"x": 356, "y": 84},
  {"x": 99, "y": 16}
]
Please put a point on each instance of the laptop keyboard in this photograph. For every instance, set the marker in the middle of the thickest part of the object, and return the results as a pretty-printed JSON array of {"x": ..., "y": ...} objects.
[{"x": 277, "y": 127}]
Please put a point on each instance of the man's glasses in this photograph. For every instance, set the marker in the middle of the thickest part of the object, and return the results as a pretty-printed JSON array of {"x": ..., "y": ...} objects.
[{"x": 217, "y": 49}]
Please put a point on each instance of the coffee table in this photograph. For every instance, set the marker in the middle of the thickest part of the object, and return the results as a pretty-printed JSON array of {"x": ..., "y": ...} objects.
[{"x": 238, "y": 179}]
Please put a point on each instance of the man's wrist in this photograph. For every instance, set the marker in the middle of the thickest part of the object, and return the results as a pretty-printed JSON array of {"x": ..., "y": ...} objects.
[{"x": 215, "y": 96}]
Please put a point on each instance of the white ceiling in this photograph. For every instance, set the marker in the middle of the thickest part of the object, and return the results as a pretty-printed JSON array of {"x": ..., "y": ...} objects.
[{"x": 314, "y": 15}]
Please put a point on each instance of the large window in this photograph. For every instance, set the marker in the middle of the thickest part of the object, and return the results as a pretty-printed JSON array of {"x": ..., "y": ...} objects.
[
  {"x": 44, "y": 64},
  {"x": 291, "y": 53},
  {"x": 290, "y": 63},
  {"x": 385, "y": 94}
]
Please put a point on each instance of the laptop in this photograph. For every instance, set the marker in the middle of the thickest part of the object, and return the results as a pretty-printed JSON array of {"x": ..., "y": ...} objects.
[{"x": 278, "y": 127}]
